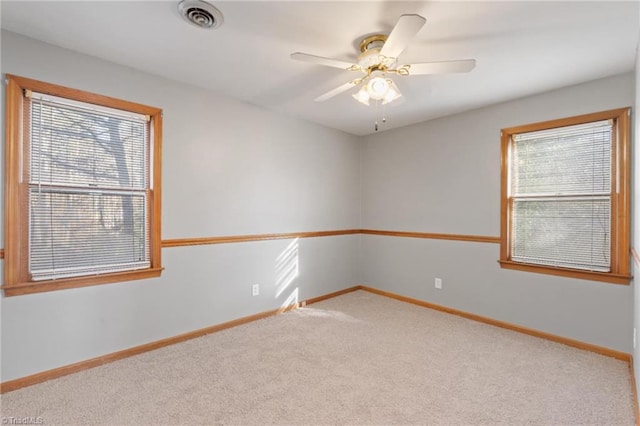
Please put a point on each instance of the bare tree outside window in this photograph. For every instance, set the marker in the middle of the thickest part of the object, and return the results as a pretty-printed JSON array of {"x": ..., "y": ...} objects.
[{"x": 87, "y": 191}]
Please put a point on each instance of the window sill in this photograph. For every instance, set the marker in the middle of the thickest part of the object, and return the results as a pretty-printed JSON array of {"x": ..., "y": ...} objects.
[
  {"x": 606, "y": 277},
  {"x": 67, "y": 283}
]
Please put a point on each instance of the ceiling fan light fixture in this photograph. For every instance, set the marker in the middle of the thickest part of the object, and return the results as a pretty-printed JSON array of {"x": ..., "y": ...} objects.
[
  {"x": 362, "y": 96},
  {"x": 392, "y": 94},
  {"x": 378, "y": 87}
]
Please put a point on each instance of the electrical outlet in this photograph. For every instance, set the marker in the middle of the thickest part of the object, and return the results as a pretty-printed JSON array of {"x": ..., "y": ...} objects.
[
  {"x": 255, "y": 290},
  {"x": 439, "y": 283}
]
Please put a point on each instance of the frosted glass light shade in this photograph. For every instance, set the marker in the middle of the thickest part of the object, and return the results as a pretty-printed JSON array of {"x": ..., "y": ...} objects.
[
  {"x": 362, "y": 96},
  {"x": 378, "y": 87}
]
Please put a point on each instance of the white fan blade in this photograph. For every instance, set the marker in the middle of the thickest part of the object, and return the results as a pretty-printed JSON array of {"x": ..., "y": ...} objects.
[
  {"x": 445, "y": 67},
  {"x": 337, "y": 91},
  {"x": 406, "y": 28},
  {"x": 305, "y": 57}
]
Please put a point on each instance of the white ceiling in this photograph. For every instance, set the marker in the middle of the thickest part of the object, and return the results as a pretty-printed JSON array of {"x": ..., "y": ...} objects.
[{"x": 521, "y": 48}]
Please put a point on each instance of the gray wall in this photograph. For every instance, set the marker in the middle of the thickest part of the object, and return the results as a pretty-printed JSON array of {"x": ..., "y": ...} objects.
[
  {"x": 443, "y": 176},
  {"x": 229, "y": 168}
]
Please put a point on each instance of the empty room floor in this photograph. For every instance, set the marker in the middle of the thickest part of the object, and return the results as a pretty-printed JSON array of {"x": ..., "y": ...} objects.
[{"x": 358, "y": 358}]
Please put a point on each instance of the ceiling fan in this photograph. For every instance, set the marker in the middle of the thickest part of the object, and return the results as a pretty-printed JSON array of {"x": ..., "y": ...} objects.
[{"x": 379, "y": 58}]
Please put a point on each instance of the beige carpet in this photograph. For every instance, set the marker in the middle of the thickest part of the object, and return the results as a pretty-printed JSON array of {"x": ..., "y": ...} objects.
[{"x": 355, "y": 359}]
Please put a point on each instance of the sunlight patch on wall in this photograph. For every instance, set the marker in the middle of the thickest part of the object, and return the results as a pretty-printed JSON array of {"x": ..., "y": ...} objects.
[
  {"x": 287, "y": 267},
  {"x": 291, "y": 302}
]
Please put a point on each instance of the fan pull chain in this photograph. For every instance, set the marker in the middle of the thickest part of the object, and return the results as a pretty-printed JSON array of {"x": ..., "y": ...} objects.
[
  {"x": 376, "y": 126},
  {"x": 376, "y": 123}
]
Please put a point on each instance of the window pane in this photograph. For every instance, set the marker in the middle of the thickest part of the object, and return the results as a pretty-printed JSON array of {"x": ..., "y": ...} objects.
[
  {"x": 72, "y": 146},
  {"x": 567, "y": 160},
  {"x": 563, "y": 232},
  {"x": 87, "y": 190},
  {"x": 78, "y": 233}
]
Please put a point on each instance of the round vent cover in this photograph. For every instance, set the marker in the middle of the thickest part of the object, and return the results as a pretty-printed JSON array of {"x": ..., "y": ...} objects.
[{"x": 200, "y": 13}]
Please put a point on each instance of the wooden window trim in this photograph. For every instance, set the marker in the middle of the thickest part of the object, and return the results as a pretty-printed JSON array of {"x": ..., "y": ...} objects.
[
  {"x": 16, "y": 280},
  {"x": 620, "y": 202}
]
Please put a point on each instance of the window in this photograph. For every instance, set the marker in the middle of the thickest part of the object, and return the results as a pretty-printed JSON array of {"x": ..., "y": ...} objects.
[
  {"x": 565, "y": 197},
  {"x": 82, "y": 202}
]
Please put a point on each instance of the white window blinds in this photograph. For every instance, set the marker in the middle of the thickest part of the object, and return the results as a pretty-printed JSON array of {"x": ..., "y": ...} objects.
[
  {"x": 88, "y": 177},
  {"x": 560, "y": 187}
]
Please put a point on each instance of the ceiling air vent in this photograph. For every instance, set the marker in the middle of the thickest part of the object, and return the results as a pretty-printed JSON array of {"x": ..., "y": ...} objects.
[{"x": 200, "y": 13}]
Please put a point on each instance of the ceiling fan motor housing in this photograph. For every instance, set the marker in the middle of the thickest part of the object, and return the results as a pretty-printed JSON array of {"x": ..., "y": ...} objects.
[{"x": 370, "y": 56}]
